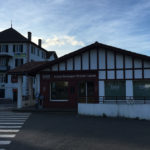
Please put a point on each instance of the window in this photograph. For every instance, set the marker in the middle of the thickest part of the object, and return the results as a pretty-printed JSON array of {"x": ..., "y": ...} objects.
[
  {"x": 3, "y": 48},
  {"x": 3, "y": 78},
  {"x": 86, "y": 90},
  {"x": 14, "y": 79},
  {"x": 38, "y": 52},
  {"x": 18, "y": 48},
  {"x": 141, "y": 89},
  {"x": 32, "y": 49},
  {"x": 59, "y": 91},
  {"x": 43, "y": 55},
  {"x": 2, "y": 62},
  {"x": 18, "y": 62},
  {"x": 114, "y": 89}
]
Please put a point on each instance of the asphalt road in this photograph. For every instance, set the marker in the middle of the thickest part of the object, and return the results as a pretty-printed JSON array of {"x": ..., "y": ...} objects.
[{"x": 56, "y": 131}]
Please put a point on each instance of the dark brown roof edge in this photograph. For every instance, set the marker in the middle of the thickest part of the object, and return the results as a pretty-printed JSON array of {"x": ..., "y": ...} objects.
[{"x": 100, "y": 45}]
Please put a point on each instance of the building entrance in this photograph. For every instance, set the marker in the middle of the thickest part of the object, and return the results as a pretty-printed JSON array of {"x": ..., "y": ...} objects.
[
  {"x": 2, "y": 93},
  {"x": 15, "y": 93}
]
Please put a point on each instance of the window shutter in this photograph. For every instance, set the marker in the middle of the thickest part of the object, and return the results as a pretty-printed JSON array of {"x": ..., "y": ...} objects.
[
  {"x": 21, "y": 48},
  {"x": 6, "y": 48},
  {"x": 14, "y": 48},
  {"x": 21, "y": 61},
  {"x": 6, "y": 78},
  {"x": 16, "y": 62}
]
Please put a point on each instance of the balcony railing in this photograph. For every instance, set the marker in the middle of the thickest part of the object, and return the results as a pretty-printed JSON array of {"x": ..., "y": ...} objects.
[
  {"x": 116, "y": 99},
  {"x": 4, "y": 68},
  {"x": 6, "y": 54}
]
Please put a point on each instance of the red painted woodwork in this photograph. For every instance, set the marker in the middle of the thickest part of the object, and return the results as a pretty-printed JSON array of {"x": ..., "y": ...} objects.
[{"x": 72, "y": 90}]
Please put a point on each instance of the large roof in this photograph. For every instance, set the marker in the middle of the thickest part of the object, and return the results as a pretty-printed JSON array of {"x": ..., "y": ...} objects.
[
  {"x": 11, "y": 35},
  {"x": 43, "y": 65}
]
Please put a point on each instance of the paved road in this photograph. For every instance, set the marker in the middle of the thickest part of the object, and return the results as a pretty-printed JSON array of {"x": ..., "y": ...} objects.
[
  {"x": 55, "y": 131},
  {"x": 10, "y": 125}
]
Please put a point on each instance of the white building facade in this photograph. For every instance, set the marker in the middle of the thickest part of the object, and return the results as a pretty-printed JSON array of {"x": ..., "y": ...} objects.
[{"x": 15, "y": 50}]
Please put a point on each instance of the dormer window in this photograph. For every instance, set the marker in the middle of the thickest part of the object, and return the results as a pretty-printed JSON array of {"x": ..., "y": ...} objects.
[{"x": 17, "y": 48}]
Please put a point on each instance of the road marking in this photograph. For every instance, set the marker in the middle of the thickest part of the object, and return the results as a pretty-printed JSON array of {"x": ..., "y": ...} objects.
[
  {"x": 5, "y": 142},
  {"x": 8, "y": 123},
  {"x": 7, "y": 135},
  {"x": 8, "y": 130},
  {"x": 14, "y": 115},
  {"x": 13, "y": 118},
  {"x": 9, "y": 127}
]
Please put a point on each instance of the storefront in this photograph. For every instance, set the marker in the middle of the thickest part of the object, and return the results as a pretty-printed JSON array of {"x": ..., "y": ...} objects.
[{"x": 66, "y": 89}]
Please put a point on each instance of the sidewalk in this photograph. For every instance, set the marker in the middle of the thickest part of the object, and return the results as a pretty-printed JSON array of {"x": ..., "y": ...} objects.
[{"x": 33, "y": 109}]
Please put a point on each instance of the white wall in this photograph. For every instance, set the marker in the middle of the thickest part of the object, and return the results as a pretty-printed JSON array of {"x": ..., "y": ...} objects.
[
  {"x": 142, "y": 111},
  {"x": 10, "y": 86},
  {"x": 85, "y": 61}
]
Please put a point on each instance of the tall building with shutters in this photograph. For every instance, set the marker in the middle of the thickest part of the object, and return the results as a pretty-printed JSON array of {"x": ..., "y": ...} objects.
[{"x": 15, "y": 50}]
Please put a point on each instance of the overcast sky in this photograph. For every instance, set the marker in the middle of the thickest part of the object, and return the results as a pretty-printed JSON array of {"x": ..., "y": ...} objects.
[{"x": 67, "y": 25}]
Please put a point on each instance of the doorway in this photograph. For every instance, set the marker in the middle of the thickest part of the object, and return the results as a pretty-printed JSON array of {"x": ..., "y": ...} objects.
[
  {"x": 15, "y": 95},
  {"x": 2, "y": 93},
  {"x": 86, "y": 91}
]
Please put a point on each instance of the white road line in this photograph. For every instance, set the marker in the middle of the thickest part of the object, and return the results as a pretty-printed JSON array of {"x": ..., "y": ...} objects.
[
  {"x": 16, "y": 113},
  {"x": 21, "y": 121},
  {"x": 4, "y": 142},
  {"x": 8, "y": 130},
  {"x": 10, "y": 127},
  {"x": 2, "y": 149},
  {"x": 8, "y": 123},
  {"x": 14, "y": 117},
  {"x": 7, "y": 135}
]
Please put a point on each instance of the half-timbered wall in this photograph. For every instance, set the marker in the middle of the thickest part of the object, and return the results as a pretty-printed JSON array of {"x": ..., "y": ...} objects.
[{"x": 110, "y": 65}]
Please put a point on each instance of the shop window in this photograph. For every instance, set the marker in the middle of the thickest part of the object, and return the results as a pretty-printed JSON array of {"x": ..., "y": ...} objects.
[
  {"x": 86, "y": 91},
  {"x": 115, "y": 90},
  {"x": 59, "y": 91},
  {"x": 141, "y": 89}
]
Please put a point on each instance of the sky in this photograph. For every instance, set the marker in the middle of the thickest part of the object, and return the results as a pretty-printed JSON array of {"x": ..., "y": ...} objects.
[{"x": 67, "y": 25}]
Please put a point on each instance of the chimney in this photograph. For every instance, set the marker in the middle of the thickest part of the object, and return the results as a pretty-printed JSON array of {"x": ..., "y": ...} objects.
[
  {"x": 29, "y": 36},
  {"x": 40, "y": 42}
]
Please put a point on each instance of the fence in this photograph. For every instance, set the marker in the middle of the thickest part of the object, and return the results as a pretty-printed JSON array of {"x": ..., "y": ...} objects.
[{"x": 116, "y": 99}]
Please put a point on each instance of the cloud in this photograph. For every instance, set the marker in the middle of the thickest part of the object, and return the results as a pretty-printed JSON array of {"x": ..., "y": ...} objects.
[
  {"x": 66, "y": 25},
  {"x": 59, "y": 41}
]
